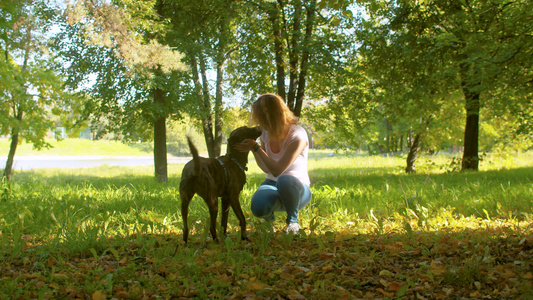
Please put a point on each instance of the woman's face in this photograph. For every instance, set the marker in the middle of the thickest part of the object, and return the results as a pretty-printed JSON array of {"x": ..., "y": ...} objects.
[{"x": 259, "y": 115}]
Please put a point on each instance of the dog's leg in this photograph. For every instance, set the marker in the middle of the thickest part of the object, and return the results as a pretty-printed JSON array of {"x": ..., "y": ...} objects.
[
  {"x": 212, "y": 203},
  {"x": 185, "y": 200},
  {"x": 225, "y": 213},
  {"x": 238, "y": 211}
]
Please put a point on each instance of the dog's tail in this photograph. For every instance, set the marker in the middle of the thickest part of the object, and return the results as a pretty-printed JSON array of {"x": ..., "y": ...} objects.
[{"x": 195, "y": 156}]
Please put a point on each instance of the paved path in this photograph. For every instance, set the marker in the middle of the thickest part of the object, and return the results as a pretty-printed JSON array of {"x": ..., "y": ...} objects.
[{"x": 38, "y": 162}]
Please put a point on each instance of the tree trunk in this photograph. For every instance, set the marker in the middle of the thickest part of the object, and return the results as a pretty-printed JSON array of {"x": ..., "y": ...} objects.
[
  {"x": 471, "y": 140},
  {"x": 294, "y": 55},
  {"x": 413, "y": 154},
  {"x": 12, "y": 149},
  {"x": 205, "y": 109},
  {"x": 472, "y": 105},
  {"x": 278, "y": 50},
  {"x": 18, "y": 112},
  {"x": 221, "y": 60},
  {"x": 309, "y": 27},
  {"x": 160, "y": 140},
  {"x": 388, "y": 137},
  {"x": 370, "y": 151},
  {"x": 218, "y": 110},
  {"x": 208, "y": 117}
]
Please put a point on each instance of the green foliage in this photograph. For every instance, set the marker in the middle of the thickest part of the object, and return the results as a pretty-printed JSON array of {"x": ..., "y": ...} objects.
[
  {"x": 115, "y": 52},
  {"x": 177, "y": 134},
  {"x": 31, "y": 91},
  {"x": 415, "y": 62},
  {"x": 33, "y": 98}
]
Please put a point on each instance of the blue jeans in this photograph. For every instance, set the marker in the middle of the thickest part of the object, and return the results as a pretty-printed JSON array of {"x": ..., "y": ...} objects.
[{"x": 287, "y": 194}]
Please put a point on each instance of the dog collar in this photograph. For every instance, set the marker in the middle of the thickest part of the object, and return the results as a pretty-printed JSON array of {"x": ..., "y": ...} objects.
[
  {"x": 243, "y": 169},
  {"x": 225, "y": 173}
]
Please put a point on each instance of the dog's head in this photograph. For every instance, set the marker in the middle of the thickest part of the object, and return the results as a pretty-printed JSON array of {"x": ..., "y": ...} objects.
[{"x": 242, "y": 133}]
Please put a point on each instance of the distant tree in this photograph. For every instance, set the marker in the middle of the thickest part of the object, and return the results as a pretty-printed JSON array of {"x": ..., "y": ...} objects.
[
  {"x": 31, "y": 91},
  {"x": 416, "y": 59},
  {"x": 480, "y": 48}
]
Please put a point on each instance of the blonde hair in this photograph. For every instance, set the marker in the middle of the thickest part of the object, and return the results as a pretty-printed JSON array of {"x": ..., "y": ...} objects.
[{"x": 270, "y": 112}]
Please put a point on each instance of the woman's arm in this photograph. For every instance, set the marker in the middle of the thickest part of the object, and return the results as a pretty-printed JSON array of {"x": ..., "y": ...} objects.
[
  {"x": 258, "y": 160},
  {"x": 250, "y": 145},
  {"x": 269, "y": 165}
]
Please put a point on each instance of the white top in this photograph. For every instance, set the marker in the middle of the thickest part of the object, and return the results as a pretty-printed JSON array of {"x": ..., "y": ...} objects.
[{"x": 298, "y": 168}]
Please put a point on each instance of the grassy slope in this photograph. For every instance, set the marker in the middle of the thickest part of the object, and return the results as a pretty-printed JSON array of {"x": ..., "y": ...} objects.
[
  {"x": 79, "y": 147},
  {"x": 370, "y": 232}
]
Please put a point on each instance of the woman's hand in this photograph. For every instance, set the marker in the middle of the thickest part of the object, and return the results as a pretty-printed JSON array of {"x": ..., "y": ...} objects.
[{"x": 246, "y": 145}]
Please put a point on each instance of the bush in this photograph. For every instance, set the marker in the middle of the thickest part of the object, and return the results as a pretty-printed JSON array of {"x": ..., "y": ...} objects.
[{"x": 177, "y": 139}]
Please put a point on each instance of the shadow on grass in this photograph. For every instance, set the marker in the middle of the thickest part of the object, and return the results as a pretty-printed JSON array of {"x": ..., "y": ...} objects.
[
  {"x": 381, "y": 175},
  {"x": 494, "y": 262}
]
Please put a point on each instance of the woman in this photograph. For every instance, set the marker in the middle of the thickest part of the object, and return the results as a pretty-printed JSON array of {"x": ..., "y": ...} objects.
[{"x": 282, "y": 155}]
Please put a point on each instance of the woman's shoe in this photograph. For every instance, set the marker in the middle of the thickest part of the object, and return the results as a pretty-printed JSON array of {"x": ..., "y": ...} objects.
[{"x": 293, "y": 228}]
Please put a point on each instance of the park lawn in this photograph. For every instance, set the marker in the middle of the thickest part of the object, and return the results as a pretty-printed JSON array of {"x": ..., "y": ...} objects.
[
  {"x": 79, "y": 147},
  {"x": 371, "y": 231}
]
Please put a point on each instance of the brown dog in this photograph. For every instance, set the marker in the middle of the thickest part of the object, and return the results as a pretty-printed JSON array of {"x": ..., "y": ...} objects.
[{"x": 212, "y": 178}]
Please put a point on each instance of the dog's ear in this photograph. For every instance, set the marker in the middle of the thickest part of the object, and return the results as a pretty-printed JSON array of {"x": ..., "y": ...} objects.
[
  {"x": 257, "y": 130},
  {"x": 236, "y": 135}
]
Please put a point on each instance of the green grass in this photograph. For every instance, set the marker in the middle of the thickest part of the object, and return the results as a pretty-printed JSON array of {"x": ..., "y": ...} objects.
[
  {"x": 369, "y": 231},
  {"x": 80, "y": 147}
]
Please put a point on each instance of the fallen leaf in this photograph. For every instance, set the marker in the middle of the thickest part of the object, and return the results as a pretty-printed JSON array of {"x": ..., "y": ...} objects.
[
  {"x": 122, "y": 295},
  {"x": 224, "y": 278},
  {"x": 384, "y": 282},
  {"x": 98, "y": 295},
  {"x": 286, "y": 276},
  {"x": 327, "y": 255},
  {"x": 256, "y": 286},
  {"x": 508, "y": 274},
  {"x": 436, "y": 269},
  {"x": 60, "y": 276},
  {"x": 447, "y": 291},
  {"x": 394, "y": 287},
  {"x": 327, "y": 268},
  {"x": 386, "y": 294},
  {"x": 294, "y": 295},
  {"x": 55, "y": 286},
  {"x": 304, "y": 269},
  {"x": 476, "y": 294}
]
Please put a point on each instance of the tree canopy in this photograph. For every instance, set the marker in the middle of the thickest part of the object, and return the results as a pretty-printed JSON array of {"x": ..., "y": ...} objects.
[
  {"x": 386, "y": 76},
  {"x": 417, "y": 60},
  {"x": 31, "y": 90}
]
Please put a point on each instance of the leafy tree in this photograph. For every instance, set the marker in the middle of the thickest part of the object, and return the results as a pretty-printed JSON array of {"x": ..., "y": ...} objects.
[
  {"x": 286, "y": 45},
  {"x": 122, "y": 45},
  {"x": 205, "y": 32},
  {"x": 415, "y": 58},
  {"x": 30, "y": 90},
  {"x": 407, "y": 79},
  {"x": 477, "y": 48}
]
